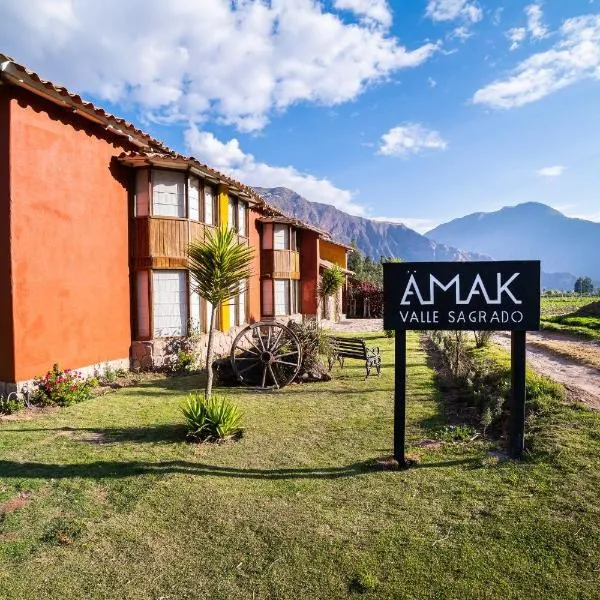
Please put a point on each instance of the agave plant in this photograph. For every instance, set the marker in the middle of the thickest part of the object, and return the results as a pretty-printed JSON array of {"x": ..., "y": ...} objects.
[{"x": 214, "y": 418}]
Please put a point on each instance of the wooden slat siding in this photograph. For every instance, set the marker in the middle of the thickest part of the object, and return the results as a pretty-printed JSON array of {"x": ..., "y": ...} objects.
[
  {"x": 162, "y": 243},
  {"x": 280, "y": 264}
]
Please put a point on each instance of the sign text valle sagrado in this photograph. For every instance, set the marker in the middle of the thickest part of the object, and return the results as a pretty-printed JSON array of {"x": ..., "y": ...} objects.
[{"x": 500, "y": 296}]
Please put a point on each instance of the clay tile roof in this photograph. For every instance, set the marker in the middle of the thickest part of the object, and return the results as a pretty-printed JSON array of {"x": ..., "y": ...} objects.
[
  {"x": 174, "y": 157},
  {"x": 150, "y": 148},
  {"x": 21, "y": 76}
]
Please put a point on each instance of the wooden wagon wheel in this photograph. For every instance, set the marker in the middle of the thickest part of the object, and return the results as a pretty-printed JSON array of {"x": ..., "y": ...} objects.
[{"x": 266, "y": 355}]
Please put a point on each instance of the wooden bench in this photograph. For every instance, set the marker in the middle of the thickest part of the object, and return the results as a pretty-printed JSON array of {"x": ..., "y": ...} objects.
[{"x": 343, "y": 347}]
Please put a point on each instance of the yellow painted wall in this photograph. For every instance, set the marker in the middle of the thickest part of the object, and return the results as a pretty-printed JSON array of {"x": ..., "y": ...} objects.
[
  {"x": 223, "y": 222},
  {"x": 332, "y": 253}
]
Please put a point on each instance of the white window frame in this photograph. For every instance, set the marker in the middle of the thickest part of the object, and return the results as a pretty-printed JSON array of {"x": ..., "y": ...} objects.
[
  {"x": 209, "y": 205},
  {"x": 281, "y": 236},
  {"x": 194, "y": 200},
  {"x": 170, "y": 303},
  {"x": 166, "y": 202}
]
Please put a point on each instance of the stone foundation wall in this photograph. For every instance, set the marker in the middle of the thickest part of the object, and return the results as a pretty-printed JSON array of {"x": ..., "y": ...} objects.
[{"x": 154, "y": 354}]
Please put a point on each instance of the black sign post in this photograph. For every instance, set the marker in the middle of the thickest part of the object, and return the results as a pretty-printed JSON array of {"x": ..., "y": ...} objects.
[{"x": 492, "y": 296}]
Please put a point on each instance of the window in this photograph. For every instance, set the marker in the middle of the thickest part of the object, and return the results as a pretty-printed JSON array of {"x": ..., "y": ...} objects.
[
  {"x": 237, "y": 307},
  {"x": 194, "y": 198},
  {"x": 282, "y": 297},
  {"x": 168, "y": 194},
  {"x": 169, "y": 303},
  {"x": 195, "y": 311},
  {"x": 209, "y": 205},
  {"x": 295, "y": 297},
  {"x": 242, "y": 210},
  {"x": 281, "y": 237},
  {"x": 231, "y": 214}
]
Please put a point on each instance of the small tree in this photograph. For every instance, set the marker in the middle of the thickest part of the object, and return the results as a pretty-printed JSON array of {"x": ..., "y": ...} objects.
[
  {"x": 332, "y": 279},
  {"x": 584, "y": 285},
  {"x": 218, "y": 266}
]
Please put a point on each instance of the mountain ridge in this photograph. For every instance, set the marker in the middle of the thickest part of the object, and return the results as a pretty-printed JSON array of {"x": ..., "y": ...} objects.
[
  {"x": 373, "y": 238},
  {"x": 531, "y": 230}
]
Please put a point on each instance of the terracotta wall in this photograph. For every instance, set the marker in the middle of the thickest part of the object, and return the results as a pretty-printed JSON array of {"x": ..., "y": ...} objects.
[
  {"x": 6, "y": 322},
  {"x": 309, "y": 271},
  {"x": 70, "y": 240},
  {"x": 254, "y": 308}
]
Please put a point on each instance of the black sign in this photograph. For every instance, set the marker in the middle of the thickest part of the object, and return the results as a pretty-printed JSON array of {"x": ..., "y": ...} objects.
[{"x": 502, "y": 296}]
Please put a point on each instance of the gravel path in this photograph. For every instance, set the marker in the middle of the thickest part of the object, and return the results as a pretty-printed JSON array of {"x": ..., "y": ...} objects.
[
  {"x": 358, "y": 325},
  {"x": 582, "y": 381}
]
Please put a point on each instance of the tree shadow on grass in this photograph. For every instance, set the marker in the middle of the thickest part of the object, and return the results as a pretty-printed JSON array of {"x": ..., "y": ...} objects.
[
  {"x": 120, "y": 469},
  {"x": 165, "y": 434}
]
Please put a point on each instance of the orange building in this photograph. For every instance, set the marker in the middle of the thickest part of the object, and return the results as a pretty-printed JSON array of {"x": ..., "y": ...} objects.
[{"x": 95, "y": 218}]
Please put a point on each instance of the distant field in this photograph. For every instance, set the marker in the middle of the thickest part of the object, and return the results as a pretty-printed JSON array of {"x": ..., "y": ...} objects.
[
  {"x": 555, "y": 307},
  {"x": 557, "y": 315}
]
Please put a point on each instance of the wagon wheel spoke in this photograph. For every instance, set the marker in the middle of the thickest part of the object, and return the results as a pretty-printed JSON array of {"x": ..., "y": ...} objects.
[
  {"x": 258, "y": 351},
  {"x": 252, "y": 366},
  {"x": 264, "y": 377},
  {"x": 283, "y": 362},
  {"x": 260, "y": 341},
  {"x": 276, "y": 344},
  {"x": 273, "y": 376},
  {"x": 291, "y": 353},
  {"x": 269, "y": 338}
]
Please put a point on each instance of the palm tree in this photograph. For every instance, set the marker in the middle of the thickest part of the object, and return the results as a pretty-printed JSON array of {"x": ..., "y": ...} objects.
[
  {"x": 332, "y": 279},
  {"x": 219, "y": 266}
]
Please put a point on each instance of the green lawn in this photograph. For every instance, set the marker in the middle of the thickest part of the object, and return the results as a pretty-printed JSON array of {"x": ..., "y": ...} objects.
[
  {"x": 558, "y": 314},
  {"x": 105, "y": 500},
  {"x": 553, "y": 306}
]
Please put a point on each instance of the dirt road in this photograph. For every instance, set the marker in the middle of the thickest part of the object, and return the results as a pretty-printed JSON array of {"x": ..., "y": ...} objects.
[{"x": 566, "y": 360}]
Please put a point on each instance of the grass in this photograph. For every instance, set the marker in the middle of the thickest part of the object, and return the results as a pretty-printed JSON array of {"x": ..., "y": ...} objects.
[
  {"x": 557, "y": 306},
  {"x": 558, "y": 316},
  {"x": 105, "y": 500}
]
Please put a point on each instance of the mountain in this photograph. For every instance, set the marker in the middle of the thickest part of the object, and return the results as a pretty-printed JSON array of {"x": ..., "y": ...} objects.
[
  {"x": 373, "y": 238},
  {"x": 565, "y": 246}
]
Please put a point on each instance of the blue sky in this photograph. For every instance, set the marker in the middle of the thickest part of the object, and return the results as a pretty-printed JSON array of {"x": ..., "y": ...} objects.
[{"x": 412, "y": 110}]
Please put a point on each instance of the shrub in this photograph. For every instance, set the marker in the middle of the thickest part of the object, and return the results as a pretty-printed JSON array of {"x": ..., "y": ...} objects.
[
  {"x": 456, "y": 433},
  {"x": 185, "y": 361},
  {"x": 61, "y": 388},
  {"x": 10, "y": 404},
  {"x": 213, "y": 419},
  {"x": 110, "y": 375},
  {"x": 482, "y": 338},
  {"x": 314, "y": 343}
]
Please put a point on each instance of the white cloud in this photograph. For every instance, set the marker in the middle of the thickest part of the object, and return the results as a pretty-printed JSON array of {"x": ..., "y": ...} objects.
[
  {"x": 237, "y": 62},
  {"x": 410, "y": 138},
  {"x": 375, "y": 11},
  {"x": 535, "y": 25},
  {"x": 415, "y": 223},
  {"x": 576, "y": 56},
  {"x": 449, "y": 10},
  {"x": 432, "y": 82},
  {"x": 516, "y": 36},
  {"x": 229, "y": 158},
  {"x": 461, "y": 33},
  {"x": 554, "y": 171}
]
